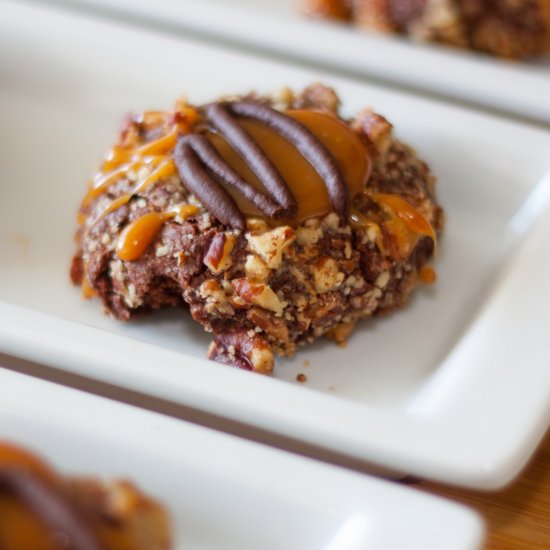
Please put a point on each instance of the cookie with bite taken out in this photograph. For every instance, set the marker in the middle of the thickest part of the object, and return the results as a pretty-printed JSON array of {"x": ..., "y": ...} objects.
[{"x": 275, "y": 220}]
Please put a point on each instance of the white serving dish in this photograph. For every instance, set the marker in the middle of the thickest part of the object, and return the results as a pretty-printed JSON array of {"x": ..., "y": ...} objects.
[
  {"x": 427, "y": 391},
  {"x": 276, "y": 27},
  {"x": 223, "y": 492}
]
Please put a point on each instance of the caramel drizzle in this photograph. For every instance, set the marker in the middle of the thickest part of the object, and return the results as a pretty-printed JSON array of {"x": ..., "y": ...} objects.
[
  {"x": 412, "y": 218},
  {"x": 138, "y": 235},
  {"x": 162, "y": 168},
  {"x": 153, "y": 154},
  {"x": 50, "y": 506},
  {"x": 201, "y": 167},
  {"x": 194, "y": 156},
  {"x": 402, "y": 215}
]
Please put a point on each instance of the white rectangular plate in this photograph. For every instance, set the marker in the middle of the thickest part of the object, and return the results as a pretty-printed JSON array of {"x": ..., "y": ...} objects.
[
  {"x": 426, "y": 391},
  {"x": 221, "y": 492},
  {"x": 276, "y": 27}
]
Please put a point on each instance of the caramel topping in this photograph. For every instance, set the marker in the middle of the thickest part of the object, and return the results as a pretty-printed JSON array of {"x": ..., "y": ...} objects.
[
  {"x": 88, "y": 291},
  {"x": 253, "y": 161},
  {"x": 125, "y": 160},
  {"x": 255, "y": 154},
  {"x": 302, "y": 178},
  {"x": 410, "y": 216},
  {"x": 120, "y": 157},
  {"x": 161, "y": 146},
  {"x": 114, "y": 205},
  {"x": 165, "y": 170},
  {"x": 427, "y": 275},
  {"x": 103, "y": 181},
  {"x": 405, "y": 223},
  {"x": 359, "y": 221},
  {"x": 285, "y": 166},
  {"x": 138, "y": 235},
  {"x": 184, "y": 211}
]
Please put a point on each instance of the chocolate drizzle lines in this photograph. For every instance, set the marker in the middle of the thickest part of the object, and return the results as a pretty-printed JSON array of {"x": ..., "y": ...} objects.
[
  {"x": 49, "y": 505},
  {"x": 190, "y": 154},
  {"x": 310, "y": 147},
  {"x": 195, "y": 155},
  {"x": 220, "y": 118}
]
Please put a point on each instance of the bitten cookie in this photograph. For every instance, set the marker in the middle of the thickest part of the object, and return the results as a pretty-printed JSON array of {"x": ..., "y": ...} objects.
[{"x": 274, "y": 219}]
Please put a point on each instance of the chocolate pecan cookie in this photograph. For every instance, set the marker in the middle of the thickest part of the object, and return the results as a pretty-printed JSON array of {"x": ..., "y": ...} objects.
[
  {"x": 505, "y": 28},
  {"x": 275, "y": 220}
]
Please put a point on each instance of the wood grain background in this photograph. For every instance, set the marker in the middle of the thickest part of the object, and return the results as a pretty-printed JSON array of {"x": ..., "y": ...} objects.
[{"x": 517, "y": 518}]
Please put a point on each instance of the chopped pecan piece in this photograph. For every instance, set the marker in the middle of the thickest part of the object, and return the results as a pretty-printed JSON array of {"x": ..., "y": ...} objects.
[
  {"x": 218, "y": 256},
  {"x": 259, "y": 294},
  {"x": 271, "y": 244},
  {"x": 326, "y": 275},
  {"x": 275, "y": 326},
  {"x": 239, "y": 349}
]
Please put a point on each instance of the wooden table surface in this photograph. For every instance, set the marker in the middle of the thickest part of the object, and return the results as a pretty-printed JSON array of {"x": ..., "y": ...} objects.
[{"x": 517, "y": 518}]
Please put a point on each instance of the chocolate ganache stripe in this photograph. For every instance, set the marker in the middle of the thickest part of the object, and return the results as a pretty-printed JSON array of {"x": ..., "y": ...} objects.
[
  {"x": 191, "y": 170},
  {"x": 211, "y": 159},
  {"x": 218, "y": 115},
  {"x": 195, "y": 155},
  {"x": 50, "y": 506},
  {"x": 310, "y": 147}
]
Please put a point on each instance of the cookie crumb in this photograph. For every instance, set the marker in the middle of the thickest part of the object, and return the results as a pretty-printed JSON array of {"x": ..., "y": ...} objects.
[
  {"x": 306, "y": 363},
  {"x": 301, "y": 377}
]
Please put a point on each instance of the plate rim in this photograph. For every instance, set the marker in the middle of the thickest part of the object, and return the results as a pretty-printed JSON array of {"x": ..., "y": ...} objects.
[{"x": 475, "y": 79}]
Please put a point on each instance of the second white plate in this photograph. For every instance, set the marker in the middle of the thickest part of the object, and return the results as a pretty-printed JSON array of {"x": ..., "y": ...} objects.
[
  {"x": 223, "y": 493},
  {"x": 276, "y": 27}
]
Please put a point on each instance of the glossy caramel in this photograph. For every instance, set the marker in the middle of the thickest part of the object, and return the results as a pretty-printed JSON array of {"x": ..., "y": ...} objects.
[
  {"x": 88, "y": 291},
  {"x": 358, "y": 220},
  {"x": 132, "y": 155},
  {"x": 302, "y": 178},
  {"x": 114, "y": 205},
  {"x": 138, "y": 235},
  {"x": 427, "y": 275},
  {"x": 403, "y": 222},
  {"x": 305, "y": 183}
]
